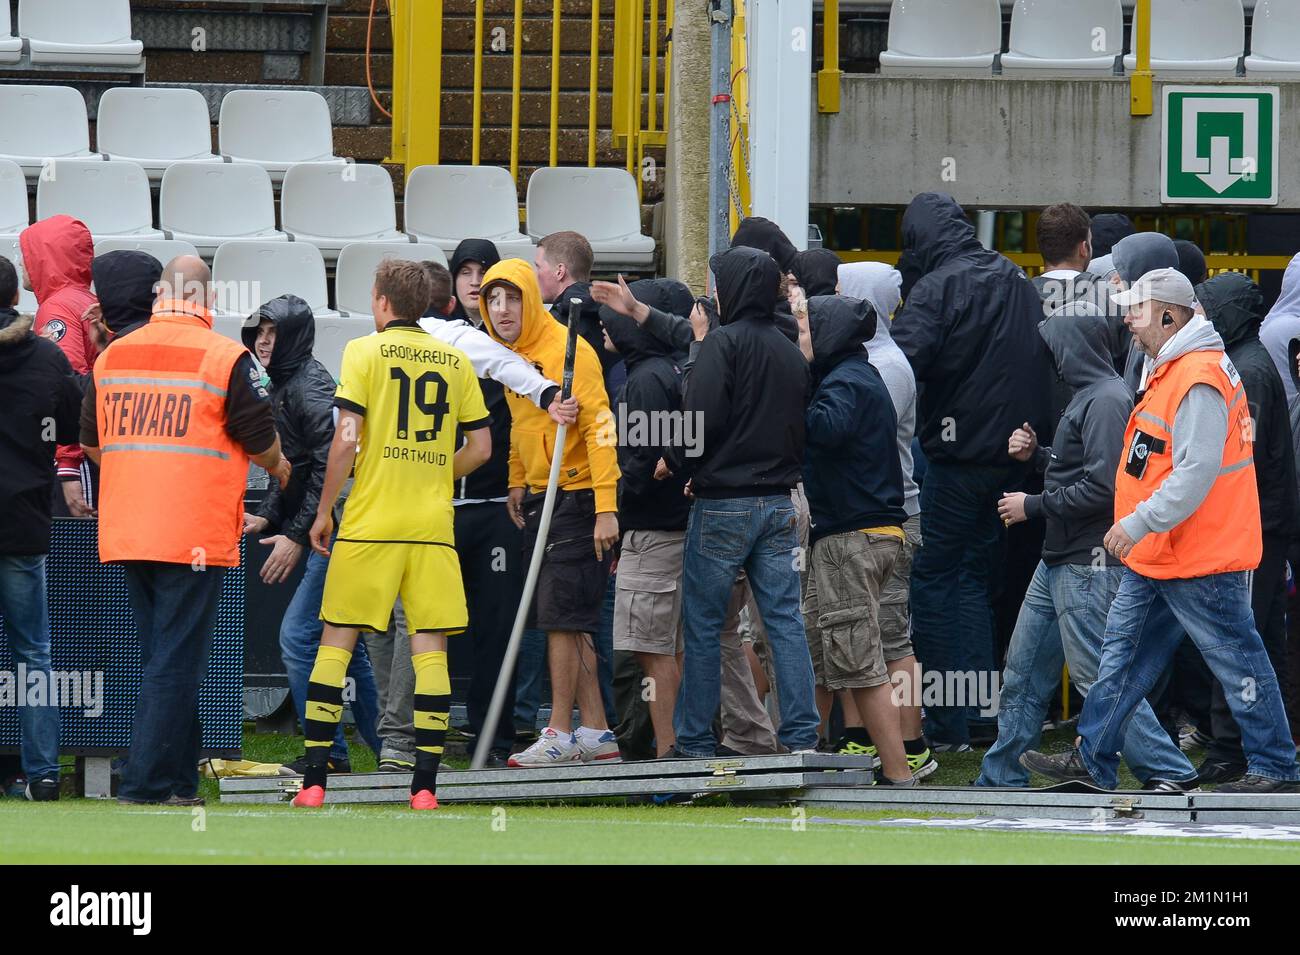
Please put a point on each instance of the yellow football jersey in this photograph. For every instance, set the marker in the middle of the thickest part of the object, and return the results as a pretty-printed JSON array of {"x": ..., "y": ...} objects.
[{"x": 413, "y": 391}]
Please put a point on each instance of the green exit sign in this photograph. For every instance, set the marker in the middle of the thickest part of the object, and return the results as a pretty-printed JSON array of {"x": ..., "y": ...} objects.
[{"x": 1219, "y": 145}]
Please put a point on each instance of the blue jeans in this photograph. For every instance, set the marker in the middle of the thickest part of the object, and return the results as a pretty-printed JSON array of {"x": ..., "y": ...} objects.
[
  {"x": 1061, "y": 621},
  {"x": 530, "y": 672},
  {"x": 724, "y": 536},
  {"x": 175, "y": 611},
  {"x": 1145, "y": 624},
  {"x": 300, "y": 632},
  {"x": 24, "y": 606},
  {"x": 952, "y": 619},
  {"x": 605, "y": 654}
]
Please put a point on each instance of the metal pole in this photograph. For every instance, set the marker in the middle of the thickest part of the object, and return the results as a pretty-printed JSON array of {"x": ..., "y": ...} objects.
[{"x": 720, "y": 138}]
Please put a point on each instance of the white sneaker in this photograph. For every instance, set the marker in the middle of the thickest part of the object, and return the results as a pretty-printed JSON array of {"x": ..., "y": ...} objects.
[
  {"x": 551, "y": 749},
  {"x": 603, "y": 749}
]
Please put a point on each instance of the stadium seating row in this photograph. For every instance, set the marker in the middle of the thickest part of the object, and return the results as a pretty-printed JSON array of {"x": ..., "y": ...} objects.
[
  {"x": 1086, "y": 37},
  {"x": 71, "y": 32}
]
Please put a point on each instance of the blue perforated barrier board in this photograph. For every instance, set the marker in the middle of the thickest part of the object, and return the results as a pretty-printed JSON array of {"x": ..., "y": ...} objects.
[{"x": 94, "y": 645}]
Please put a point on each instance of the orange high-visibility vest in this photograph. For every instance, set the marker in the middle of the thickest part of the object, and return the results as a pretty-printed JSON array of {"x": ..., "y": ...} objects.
[
  {"x": 172, "y": 480},
  {"x": 1221, "y": 535}
]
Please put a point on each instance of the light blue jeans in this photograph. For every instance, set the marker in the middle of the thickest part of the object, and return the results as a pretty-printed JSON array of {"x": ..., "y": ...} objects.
[
  {"x": 1062, "y": 621},
  {"x": 1146, "y": 622},
  {"x": 760, "y": 536}
]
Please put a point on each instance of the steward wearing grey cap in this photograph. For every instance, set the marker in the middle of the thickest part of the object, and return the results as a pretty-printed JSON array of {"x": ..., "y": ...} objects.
[{"x": 1187, "y": 528}]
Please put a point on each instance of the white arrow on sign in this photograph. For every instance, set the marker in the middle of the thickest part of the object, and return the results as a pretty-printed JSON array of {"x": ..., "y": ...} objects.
[{"x": 1220, "y": 169}]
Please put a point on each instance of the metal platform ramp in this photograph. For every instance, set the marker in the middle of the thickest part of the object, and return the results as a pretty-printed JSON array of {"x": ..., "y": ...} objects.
[{"x": 772, "y": 777}]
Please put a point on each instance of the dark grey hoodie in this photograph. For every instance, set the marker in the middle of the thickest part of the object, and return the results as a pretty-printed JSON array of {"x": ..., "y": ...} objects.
[{"x": 1078, "y": 499}]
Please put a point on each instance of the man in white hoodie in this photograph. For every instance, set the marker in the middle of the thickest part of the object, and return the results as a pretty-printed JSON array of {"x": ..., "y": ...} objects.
[{"x": 879, "y": 285}]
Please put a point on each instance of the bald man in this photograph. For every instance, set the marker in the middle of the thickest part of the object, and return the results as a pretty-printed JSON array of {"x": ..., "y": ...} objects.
[{"x": 173, "y": 414}]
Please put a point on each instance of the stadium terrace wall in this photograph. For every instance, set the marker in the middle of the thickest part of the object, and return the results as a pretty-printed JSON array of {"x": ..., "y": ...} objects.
[{"x": 1006, "y": 143}]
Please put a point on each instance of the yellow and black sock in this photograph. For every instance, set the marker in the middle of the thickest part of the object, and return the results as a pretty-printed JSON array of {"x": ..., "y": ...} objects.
[
  {"x": 432, "y": 711},
  {"x": 324, "y": 710}
]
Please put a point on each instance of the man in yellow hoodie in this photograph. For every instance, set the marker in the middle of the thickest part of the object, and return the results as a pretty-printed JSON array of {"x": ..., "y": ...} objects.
[{"x": 584, "y": 525}]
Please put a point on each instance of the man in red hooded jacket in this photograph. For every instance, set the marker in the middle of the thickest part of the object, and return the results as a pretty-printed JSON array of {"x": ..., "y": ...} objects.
[{"x": 57, "y": 253}]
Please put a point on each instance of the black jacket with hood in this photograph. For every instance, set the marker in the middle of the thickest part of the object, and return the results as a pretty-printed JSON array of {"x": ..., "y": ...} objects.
[
  {"x": 124, "y": 284},
  {"x": 37, "y": 386},
  {"x": 818, "y": 272},
  {"x": 851, "y": 472},
  {"x": 589, "y": 328},
  {"x": 650, "y": 401},
  {"x": 969, "y": 329},
  {"x": 302, "y": 399},
  {"x": 484, "y": 252},
  {"x": 749, "y": 387},
  {"x": 1078, "y": 498},
  {"x": 1235, "y": 307}
]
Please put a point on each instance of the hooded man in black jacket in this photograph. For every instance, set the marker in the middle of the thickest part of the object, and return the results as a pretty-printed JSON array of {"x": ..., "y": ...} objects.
[
  {"x": 302, "y": 399},
  {"x": 1235, "y": 306},
  {"x": 969, "y": 330},
  {"x": 42, "y": 401},
  {"x": 652, "y": 517},
  {"x": 854, "y": 481},
  {"x": 748, "y": 391}
]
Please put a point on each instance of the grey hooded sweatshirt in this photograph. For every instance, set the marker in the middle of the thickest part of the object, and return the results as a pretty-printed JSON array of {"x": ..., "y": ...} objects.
[
  {"x": 1200, "y": 429},
  {"x": 1078, "y": 499},
  {"x": 878, "y": 284}
]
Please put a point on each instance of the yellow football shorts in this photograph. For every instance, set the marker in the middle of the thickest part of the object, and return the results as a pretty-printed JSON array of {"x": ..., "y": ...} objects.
[{"x": 365, "y": 579}]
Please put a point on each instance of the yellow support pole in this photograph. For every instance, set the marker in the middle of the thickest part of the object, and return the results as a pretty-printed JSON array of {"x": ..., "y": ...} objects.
[
  {"x": 593, "y": 97},
  {"x": 739, "y": 113},
  {"x": 477, "y": 119},
  {"x": 424, "y": 112},
  {"x": 654, "y": 66},
  {"x": 1065, "y": 693},
  {"x": 668, "y": 61},
  {"x": 1141, "y": 94},
  {"x": 637, "y": 25},
  {"x": 828, "y": 78},
  {"x": 399, "y": 18},
  {"x": 622, "y": 67},
  {"x": 555, "y": 82},
  {"x": 517, "y": 53}
]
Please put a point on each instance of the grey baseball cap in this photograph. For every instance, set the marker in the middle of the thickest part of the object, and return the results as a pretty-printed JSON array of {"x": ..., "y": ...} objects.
[{"x": 1161, "y": 285}]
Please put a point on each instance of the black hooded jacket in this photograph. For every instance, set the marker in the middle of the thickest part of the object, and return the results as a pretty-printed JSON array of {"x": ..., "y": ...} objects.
[
  {"x": 589, "y": 328},
  {"x": 302, "y": 399},
  {"x": 818, "y": 272},
  {"x": 648, "y": 406},
  {"x": 755, "y": 232},
  {"x": 482, "y": 251},
  {"x": 1107, "y": 229},
  {"x": 1235, "y": 306},
  {"x": 749, "y": 388},
  {"x": 124, "y": 285},
  {"x": 1078, "y": 498},
  {"x": 37, "y": 386},
  {"x": 852, "y": 473},
  {"x": 969, "y": 328}
]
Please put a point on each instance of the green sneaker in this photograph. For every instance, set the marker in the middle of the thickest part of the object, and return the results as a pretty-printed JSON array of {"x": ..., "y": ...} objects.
[
  {"x": 847, "y": 747},
  {"x": 922, "y": 764}
]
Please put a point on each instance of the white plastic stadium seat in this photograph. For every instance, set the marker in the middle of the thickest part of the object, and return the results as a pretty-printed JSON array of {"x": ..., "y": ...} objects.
[
  {"x": 11, "y": 47},
  {"x": 164, "y": 250},
  {"x": 331, "y": 206},
  {"x": 601, "y": 204},
  {"x": 42, "y": 122},
  {"x": 251, "y": 273},
  {"x": 11, "y": 250},
  {"x": 155, "y": 127},
  {"x": 444, "y": 204},
  {"x": 89, "y": 32},
  {"x": 276, "y": 129},
  {"x": 207, "y": 205},
  {"x": 1275, "y": 38},
  {"x": 354, "y": 276},
  {"x": 14, "y": 211},
  {"x": 1194, "y": 37},
  {"x": 1063, "y": 37},
  {"x": 111, "y": 198},
  {"x": 942, "y": 38}
]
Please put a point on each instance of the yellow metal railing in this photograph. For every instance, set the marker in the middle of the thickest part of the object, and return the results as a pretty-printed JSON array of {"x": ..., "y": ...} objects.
[
  {"x": 1141, "y": 97},
  {"x": 640, "y": 76},
  {"x": 739, "y": 185},
  {"x": 828, "y": 77}
]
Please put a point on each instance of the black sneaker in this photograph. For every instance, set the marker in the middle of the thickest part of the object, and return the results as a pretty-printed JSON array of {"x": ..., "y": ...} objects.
[
  {"x": 1063, "y": 767},
  {"x": 45, "y": 789},
  {"x": 1216, "y": 773},
  {"x": 174, "y": 800},
  {"x": 497, "y": 759},
  {"x": 1251, "y": 783},
  {"x": 726, "y": 751},
  {"x": 391, "y": 764},
  {"x": 299, "y": 766},
  {"x": 1172, "y": 786}
]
